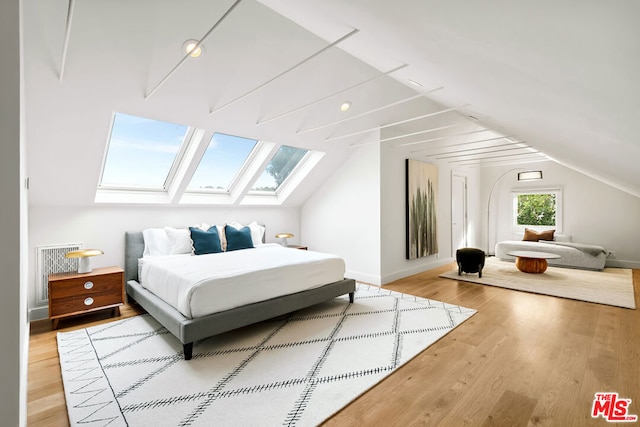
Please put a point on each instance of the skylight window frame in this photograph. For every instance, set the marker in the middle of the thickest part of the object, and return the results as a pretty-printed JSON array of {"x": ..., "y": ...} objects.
[
  {"x": 169, "y": 178},
  {"x": 297, "y": 175},
  {"x": 187, "y": 159},
  {"x": 282, "y": 187},
  {"x": 235, "y": 183}
]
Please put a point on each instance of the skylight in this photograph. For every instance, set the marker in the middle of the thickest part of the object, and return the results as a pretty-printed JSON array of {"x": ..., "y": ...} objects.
[
  {"x": 153, "y": 162},
  {"x": 279, "y": 169},
  {"x": 225, "y": 156},
  {"x": 141, "y": 152}
]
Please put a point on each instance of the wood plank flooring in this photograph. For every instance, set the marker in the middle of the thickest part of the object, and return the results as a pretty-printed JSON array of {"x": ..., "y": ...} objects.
[{"x": 522, "y": 360}]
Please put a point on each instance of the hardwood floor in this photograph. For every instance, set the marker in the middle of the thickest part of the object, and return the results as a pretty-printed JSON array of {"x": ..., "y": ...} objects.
[{"x": 522, "y": 360}]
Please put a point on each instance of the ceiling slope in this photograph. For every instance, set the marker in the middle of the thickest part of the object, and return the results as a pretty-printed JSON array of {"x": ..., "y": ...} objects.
[
  {"x": 495, "y": 87},
  {"x": 562, "y": 76}
]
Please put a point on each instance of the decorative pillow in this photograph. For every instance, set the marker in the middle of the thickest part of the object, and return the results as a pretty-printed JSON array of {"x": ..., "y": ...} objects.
[
  {"x": 180, "y": 240},
  {"x": 205, "y": 242},
  {"x": 238, "y": 238},
  {"x": 156, "y": 242},
  {"x": 257, "y": 231},
  {"x": 534, "y": 236}
]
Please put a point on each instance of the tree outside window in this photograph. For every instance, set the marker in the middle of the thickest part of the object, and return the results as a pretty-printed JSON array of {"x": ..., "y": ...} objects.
[{"x": 537, "y": 208}]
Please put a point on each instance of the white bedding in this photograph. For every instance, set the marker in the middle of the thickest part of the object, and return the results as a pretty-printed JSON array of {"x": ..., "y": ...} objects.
[{"x": 205, "y": 284}]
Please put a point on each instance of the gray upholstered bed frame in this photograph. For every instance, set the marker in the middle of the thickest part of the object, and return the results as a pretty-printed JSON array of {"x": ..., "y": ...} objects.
[{"x": 190, "y": 330}]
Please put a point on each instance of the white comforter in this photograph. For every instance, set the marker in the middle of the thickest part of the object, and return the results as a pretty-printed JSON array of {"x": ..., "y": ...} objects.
[{"x": 204, "y": 284}]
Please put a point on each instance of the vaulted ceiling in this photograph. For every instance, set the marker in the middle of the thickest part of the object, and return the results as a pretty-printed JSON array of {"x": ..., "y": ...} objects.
[{"x": 500, "y": 82}]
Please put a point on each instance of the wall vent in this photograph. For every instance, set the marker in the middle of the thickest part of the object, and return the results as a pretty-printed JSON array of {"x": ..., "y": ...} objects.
[{"x": 50, "y": 259}]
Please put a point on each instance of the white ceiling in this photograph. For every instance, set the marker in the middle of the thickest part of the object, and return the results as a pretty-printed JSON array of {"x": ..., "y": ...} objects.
[{"x": 556, "y": 75}]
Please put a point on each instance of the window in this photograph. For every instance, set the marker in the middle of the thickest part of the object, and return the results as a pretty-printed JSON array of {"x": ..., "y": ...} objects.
[
  {"x": 540, "y": 209},
  {"x": 279, "y": 168},
  {"x": 141, "y": 152},
  {"x": 221, "y": 162},
  {"x": 154, "y": 162}
]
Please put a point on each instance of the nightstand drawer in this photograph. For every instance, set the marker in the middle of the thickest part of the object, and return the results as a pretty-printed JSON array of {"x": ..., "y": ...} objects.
[
  {"x": 78, "y": 286},
  {"x": 80, "y": 303}
]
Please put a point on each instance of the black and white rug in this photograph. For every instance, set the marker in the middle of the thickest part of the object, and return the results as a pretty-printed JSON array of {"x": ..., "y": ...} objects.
[{"x": 295, "y": 370}]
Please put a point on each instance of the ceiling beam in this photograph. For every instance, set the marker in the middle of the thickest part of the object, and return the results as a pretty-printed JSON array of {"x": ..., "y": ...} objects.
[
  {"x": 67, "y": 35},
  {"x": 187, "y": 54},
  {"x": 302, "y": 107},
  {"x": 408, "y": 134},
  {"x": 466, "y": 143},
  {"x": 271, "y": 80},
  {"x": 399, "y": 122},
  {"x": 375, "y": 110},
  {"x": 505, "y": 156},
  {"x": 457, "y": 155},
  {"x": 441, "y": 138}
]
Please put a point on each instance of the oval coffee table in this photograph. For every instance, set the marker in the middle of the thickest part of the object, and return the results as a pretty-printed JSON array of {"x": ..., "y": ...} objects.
[{"x": 532, "y": 262}]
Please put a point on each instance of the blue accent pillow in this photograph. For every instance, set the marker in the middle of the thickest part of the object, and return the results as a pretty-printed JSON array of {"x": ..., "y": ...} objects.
[
  {"x": 205, "y": 242},
  {"x": 238, "y": 238}
]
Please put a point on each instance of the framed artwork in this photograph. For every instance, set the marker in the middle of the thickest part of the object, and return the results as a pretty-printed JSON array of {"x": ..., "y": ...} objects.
[{"x": 422, "y": 209}]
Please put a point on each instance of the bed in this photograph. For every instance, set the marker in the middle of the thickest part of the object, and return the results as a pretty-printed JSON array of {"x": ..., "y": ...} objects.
[{"x": 191, "y": 326}]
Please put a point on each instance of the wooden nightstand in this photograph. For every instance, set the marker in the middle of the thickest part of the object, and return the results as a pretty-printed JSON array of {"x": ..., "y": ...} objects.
[
  {"x": 304, "y": 248},
  {"x": 72, "y": 293}
]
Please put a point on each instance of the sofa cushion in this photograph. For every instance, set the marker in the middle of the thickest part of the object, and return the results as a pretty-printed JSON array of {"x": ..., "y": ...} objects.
[{"x": 534, "y": 236}]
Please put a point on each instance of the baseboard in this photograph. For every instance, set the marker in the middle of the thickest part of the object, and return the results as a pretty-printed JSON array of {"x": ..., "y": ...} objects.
[
  {"x": 369, "y": 279},
  {"x": 621, "y": 263},
  {"x": 38, "y": 313},
  {"x": 400, "y": 274}
]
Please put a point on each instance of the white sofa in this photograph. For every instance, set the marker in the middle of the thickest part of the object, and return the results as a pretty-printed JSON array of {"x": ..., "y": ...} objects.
[{"x": 573, "y": 255}]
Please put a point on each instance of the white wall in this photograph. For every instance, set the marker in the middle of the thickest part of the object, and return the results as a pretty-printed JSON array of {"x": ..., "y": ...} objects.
[
  {"x": 14, "y": 328},
  {"x": 393, "y": 214},
  {"x": 343, "y": 215},
  {"x": 103, "y": 227},
  {"x": 593, "y": 212},
  {"x": 360, "y": 214}
]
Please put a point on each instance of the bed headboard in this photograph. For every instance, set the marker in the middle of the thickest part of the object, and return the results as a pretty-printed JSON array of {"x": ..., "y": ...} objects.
[{"x": 133, "y": 250}]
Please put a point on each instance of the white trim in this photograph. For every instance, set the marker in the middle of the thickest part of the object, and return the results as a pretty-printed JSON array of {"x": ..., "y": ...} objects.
[
  {"x": 621, "y": 263},
  {"x": 400, "y": 274}
]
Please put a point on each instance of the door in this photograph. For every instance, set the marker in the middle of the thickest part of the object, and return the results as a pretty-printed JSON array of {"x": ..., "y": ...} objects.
[{"x": 458, "y": 213}]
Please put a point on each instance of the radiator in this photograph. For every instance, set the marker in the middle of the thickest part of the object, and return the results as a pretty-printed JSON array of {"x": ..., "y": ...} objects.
[{"x": 50, "y": 259}]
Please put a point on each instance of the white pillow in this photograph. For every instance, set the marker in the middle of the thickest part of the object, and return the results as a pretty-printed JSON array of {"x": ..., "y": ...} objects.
[
  {"x": 257, "y": 231},
  {"x": 180, "y": 240},
  {"x": 156, "y": 242}
]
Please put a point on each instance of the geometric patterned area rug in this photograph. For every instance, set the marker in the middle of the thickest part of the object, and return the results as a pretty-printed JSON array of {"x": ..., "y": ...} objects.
[
  {"x": 295, "y": 370},
  {"x": 611, "y": 286}
]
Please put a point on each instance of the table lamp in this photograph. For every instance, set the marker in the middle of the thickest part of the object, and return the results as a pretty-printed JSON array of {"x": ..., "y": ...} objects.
[
  {"x": 84, "y": 263},
  {"x": 284, "y": 237}
]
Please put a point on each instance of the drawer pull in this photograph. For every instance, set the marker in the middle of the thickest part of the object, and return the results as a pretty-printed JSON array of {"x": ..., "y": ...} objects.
[
  {"x": 88, "y": 285},
  {"x": 88, "y": 301}
]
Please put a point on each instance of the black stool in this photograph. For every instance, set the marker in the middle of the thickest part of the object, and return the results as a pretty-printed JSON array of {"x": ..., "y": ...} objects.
[{"x": 470, "y": 260}]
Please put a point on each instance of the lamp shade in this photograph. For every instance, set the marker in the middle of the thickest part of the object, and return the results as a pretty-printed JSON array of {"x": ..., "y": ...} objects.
[{"x": 84, "y": 264}]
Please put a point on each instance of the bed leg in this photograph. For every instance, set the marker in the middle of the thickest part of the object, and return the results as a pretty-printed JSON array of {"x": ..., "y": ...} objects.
[
  {"x": 351, "y": 295},
  {"x": 188, "y": 350}
]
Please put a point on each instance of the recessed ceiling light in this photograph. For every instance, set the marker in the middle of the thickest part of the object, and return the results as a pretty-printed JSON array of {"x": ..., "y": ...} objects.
[
  {"x": 191, "y": 47},
  {"x": 345, "y": 106},
  {"x": 415, "y": 83}
]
